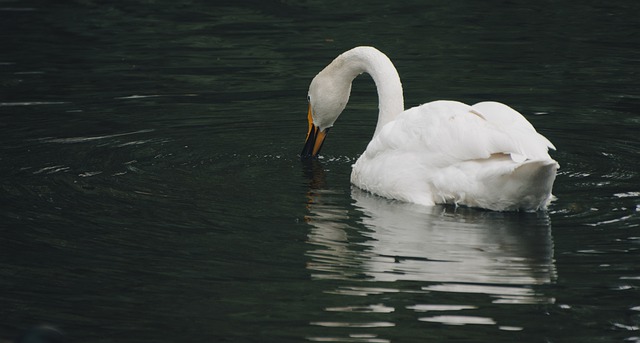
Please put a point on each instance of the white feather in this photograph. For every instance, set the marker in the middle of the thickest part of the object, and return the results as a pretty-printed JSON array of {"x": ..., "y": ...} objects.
[{"x": 486, "y": 155}]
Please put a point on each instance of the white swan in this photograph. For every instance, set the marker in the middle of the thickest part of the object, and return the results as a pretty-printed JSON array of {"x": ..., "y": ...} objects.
[{"x": 443, "y": 152}]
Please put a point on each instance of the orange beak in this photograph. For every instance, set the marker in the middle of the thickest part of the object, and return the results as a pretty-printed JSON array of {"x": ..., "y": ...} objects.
[{"x": 315, "y": 138}]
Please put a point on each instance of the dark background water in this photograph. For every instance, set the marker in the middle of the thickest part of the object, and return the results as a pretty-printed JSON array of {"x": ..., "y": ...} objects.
[{"x": 150, "y": 188}]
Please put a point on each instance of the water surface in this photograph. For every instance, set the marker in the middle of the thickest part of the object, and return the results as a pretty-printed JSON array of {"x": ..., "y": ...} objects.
[{"x": 150, "y": 188}]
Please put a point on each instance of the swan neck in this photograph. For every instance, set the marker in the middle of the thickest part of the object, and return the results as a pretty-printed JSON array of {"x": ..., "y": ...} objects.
[{"x": 373, "y": 62}]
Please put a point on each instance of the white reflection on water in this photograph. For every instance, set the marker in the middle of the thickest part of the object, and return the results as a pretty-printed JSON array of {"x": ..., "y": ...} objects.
[
  {"x": 453, "y": 250},
  {"x": 459, "y": 320}
]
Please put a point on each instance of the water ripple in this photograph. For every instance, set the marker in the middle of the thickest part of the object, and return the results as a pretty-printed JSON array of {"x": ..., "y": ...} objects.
[
  {"x": 135, "y": 96},
  {"x": 378, "y": 308},
  {"x": 354, "y": 325},
  {"x": 427, "y": 308},
  {"x": 352, "y": 338},
  {"x": 51, "y": 169},
  {"x": 459, "y": 320},
  {"x": 72, "y": 140},
  {"x": 31, "y": 103}
]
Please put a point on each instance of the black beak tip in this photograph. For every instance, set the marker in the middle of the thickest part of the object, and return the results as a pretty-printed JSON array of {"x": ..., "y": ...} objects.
[{"x": 307, "y": 151}]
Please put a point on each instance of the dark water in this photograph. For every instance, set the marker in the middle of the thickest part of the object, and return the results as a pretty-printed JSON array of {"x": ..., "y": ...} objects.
[{"x": 151, "y": 192}]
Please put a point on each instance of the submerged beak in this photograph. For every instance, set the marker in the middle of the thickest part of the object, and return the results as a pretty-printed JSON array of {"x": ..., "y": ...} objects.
[{"x": 315, "y": 138}]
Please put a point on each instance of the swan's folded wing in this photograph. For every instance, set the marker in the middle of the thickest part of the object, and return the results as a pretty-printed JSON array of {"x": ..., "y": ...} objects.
[
  {"x": 447, "y": 132},
  {"x": 509, "y": 119}
]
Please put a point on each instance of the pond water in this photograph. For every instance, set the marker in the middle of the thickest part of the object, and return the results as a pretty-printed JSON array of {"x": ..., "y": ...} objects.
[{"x": 151, "y": 189}]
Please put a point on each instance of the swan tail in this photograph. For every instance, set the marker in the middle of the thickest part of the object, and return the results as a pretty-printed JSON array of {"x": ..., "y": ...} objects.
[
  {"x": 533, "y": 180},
  {"x": 524, "y": 186}
]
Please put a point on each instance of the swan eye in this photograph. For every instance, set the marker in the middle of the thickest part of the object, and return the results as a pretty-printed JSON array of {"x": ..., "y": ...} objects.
[{"x": 309, "y": 98}]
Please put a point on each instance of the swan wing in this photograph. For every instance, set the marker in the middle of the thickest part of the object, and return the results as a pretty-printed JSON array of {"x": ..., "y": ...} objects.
[
  {"x": 511, "y": 120},
  {"x": 447, "y": 132}
]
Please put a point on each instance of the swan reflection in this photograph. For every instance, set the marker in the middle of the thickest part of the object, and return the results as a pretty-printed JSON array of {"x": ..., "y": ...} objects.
[{"x": 451, "y": 249}]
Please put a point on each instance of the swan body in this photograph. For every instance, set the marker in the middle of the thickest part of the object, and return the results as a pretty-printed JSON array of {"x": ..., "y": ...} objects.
[{"x": 443, "y": 152}]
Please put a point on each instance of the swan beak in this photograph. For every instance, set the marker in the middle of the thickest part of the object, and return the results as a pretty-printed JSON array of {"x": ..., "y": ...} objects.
[{"x": 315, "y": 138}]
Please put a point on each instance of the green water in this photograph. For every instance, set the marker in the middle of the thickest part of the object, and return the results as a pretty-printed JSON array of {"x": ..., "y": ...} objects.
[{"x": 151, "y": 191}]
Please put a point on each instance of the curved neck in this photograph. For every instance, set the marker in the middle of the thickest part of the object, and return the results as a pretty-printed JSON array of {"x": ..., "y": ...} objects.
[{"x": 375, "y": 63}]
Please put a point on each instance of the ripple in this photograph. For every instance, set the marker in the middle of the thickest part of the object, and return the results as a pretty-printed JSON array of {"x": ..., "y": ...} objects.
[
  {"x": 610, "y": 221},
  {"x": 51, "y": 169},
  {"x": 363, "y": 291},
  {"x": 338, "y": 159},
  {"x": 575, "y": 174},
  {"x": 72, "y": 140},
  {"x": 622, "y": 288},
  {"x": 627, "y": 195},
  {"x": 428, "y": 308},
  {"x": 626, "y": 327},
  {"x": 484, "y": 289},
  {"x": 510, "y": 328},
  {"x": 89, "y": 174},
  {"x": 459, "y": 320},
  {"x": 18, "y": 9},
  {"x": 32, "y": 103},
  {"x": 377, "y": 308},
  {"x": 136, "y": 96},
  {"x": 144, "y": 141},
  {"x": 504, "y": 294},
  {"x": 351, "y": 338},
  {"x": 354, "y": 325}
]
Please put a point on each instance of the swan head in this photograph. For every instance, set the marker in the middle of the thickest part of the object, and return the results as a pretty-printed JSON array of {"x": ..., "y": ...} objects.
[{"x": 328, "y": 95}]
